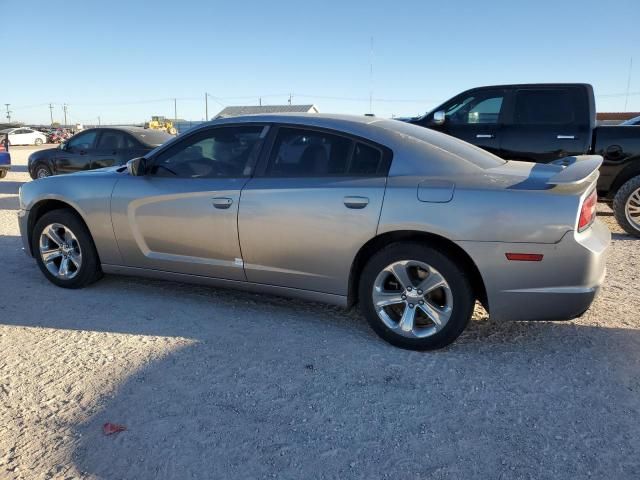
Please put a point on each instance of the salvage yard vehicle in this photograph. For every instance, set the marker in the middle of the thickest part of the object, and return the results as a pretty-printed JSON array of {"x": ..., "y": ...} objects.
[
  {"x": 413, "y": 225},
  {"x": 95, "y": 148},
  {"x": 546, "y": 123},
  {"x": 5, "y": 159},
  {"x": 24, "y": 136}
]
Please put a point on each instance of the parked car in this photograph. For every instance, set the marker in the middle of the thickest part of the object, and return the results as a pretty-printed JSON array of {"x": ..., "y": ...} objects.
[
  {"x": 95, "y": 148},
  {"x": 5, "y": 158},
  {"x": 25, "y": 136},
  {"x": 545, "y": 123},
  {"x": 632, "y": 121},
  {"x": 412, "y": 224}
]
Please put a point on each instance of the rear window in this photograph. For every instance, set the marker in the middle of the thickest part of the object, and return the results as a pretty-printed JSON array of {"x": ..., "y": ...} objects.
[
  {"x": 472, "y": 154},
  {"x": 543, "y": 107},
  {"x": 152, "y": 138}
]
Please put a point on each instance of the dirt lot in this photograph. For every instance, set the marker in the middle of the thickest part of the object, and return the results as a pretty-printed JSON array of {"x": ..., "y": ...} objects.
[{"x": 221, "y": 384}]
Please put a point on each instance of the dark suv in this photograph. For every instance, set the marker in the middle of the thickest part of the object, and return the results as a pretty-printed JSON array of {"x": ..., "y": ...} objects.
[{"x": 95, "y": 148}]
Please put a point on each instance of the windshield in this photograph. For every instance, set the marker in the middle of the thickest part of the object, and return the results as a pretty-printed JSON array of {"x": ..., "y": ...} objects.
[{"x": 153, "y": 138}]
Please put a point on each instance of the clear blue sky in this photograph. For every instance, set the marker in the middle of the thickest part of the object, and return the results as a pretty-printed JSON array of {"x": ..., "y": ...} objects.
[{"x": 123, "y": 60}]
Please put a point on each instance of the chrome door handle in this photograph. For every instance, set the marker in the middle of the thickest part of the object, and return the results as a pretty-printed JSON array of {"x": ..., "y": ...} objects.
[
  {"x": 485, "y": 135},
  {"x": 565, "y": 137},
  {"x": 356, "y": 202},
  {"x": 222, "y": 202}
]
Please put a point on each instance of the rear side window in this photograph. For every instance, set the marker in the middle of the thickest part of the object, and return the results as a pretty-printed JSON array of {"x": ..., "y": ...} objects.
[
  {"x": 310, "y": 153},
  {"x": 114, "y": 140},
  {"x": 540, "y": 107}
]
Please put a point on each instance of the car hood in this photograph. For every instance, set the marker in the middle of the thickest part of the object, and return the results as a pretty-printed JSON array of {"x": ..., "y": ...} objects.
[
  {"x": 41, "y": 154},
  {"x": 107, "y": 171}
]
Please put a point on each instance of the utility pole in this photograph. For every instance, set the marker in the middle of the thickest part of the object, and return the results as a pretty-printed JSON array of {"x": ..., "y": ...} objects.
[
  {"x": 206, "y": 107},
  {"x": 260, "y": 101},
  {"x": 175, "y": 110},
  {"x": 8, "y": 112},
  {"x": 51, "y": 112},
  {"x": 290, "y": 98},
  {"x": 64, "y": 109},
  {"x": 99, "y": 120},
  {"x": 371, "y": 77}
]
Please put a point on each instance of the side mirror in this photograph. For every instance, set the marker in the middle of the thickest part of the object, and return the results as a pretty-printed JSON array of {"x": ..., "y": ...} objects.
[
  {"x": 439, "y": 117},
  {"x": 137, "y": 166}
]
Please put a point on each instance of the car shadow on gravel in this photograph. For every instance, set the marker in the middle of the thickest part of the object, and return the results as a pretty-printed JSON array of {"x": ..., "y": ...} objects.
[
  {"x": 10, "y": 187},
  {"x": 271, "y": 387}
]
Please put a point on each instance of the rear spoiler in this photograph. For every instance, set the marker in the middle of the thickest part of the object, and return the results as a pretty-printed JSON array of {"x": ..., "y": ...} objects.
[{"x": 576, "y": 169}]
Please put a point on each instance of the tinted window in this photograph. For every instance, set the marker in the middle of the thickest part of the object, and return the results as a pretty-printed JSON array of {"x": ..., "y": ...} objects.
[
  {"x": 221, "y": 152},
  {"x": 113, "y": 140},
  {"x": 479, "y": 107},
  {"x": 366, "y": 160},
  {"x": 308, "y": 153},
  {"x": 536, "y": 107},
  {"x": 82, "y": 141}
]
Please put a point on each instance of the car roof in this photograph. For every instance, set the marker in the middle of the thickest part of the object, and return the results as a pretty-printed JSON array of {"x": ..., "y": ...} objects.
[{"x": 124, "y": 128}]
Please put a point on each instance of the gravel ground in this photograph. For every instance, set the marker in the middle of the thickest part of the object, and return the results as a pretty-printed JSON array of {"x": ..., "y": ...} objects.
[{"x": 221, "y": 384}]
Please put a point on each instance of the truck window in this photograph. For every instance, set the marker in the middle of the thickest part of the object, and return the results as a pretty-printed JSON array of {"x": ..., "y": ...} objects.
[
  {"x": 479, "y": 107},
  {"x": 538, "y": 107}
]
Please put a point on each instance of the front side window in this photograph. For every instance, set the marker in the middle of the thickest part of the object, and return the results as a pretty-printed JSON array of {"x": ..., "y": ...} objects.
[
  {"x": 308, "y": 153},
  {"x": 221, "y": 152},
  {"x": 540, "y": 107},
  {"x": 82, "y": 141},
  {"x": 480, "y": 107}
]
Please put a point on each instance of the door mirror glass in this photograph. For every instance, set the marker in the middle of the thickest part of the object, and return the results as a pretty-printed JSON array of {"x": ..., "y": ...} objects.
[
  {"x": 439, "y": 117},
  {"x": 136, "y": 166}
]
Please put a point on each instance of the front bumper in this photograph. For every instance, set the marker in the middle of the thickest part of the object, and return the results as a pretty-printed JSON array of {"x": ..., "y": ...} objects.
[{"x": 560, "y": 287}]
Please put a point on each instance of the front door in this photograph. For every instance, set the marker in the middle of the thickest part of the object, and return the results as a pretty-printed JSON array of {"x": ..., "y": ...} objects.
[
  {"x": 77, "y": 152},
  {"x": 303, "y": 220},
  {"x": 182, "y": 215},
  {"x": 475, "y": 117}
]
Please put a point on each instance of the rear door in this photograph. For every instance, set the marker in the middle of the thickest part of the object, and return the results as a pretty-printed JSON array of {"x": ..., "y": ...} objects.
[
  {"x": 313, "y": 204},
  {"x": 475, "y": 117},
  {"x": 115, "y": 147},
  {"x": 543, "y": 124},
  {"x": 77, "y": 153}
]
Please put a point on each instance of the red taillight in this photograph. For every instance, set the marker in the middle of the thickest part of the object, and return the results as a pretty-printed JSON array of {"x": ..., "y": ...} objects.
[{"x": 588, "y": 211}]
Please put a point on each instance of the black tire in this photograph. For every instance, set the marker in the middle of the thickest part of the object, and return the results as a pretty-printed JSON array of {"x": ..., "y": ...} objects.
[
  {"x": 3, "y": 173},
  {"x": 461, "y": 291},
  {"x": 38, "y": 141},
  {"x": 41, "y": 171},
  {"x": 620, "y": 202},
  {"x": 89, "y": 270}
]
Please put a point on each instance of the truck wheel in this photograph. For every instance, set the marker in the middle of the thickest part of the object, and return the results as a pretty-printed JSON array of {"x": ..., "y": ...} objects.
[
  {"x": 626, "y": 206},
  {"x": 415, "y": 297}
]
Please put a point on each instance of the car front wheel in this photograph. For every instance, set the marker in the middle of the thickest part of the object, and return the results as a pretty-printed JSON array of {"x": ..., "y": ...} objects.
[
  {"x": 64, "y": 250},
  {"x": 415, "y": 297},
  {"x": 42, "y": 171},
  {"x": 626, "y": 206}
]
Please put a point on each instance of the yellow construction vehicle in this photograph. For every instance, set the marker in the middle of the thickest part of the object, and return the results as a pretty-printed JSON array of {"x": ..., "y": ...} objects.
[{"x": 161, "y": 123}]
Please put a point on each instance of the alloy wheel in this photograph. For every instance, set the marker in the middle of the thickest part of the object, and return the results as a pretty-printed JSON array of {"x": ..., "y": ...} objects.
[
  {"x": 412, "y": 298},
  {"x": 42, "y": 173},
  {"x": 632, "y": 209},
  {"x": 60, "y": 251}
]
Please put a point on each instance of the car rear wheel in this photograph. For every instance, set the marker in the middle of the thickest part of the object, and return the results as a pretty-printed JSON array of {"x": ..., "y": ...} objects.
[
  {"x": 3, "y": 173},
  {"x": 42, "y": 171},
  {"x": 64, "y": 250},
  {"x": 38, "y": 141},
  {"x": 626, "y": 206},
  {"x": 415, "y": 297}
]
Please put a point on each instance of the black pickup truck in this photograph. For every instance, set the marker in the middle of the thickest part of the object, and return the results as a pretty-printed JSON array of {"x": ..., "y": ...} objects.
[{"x": 544, "y": 123}]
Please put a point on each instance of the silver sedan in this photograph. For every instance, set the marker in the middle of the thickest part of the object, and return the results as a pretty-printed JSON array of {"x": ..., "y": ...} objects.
[{"x": 413, "y": 225}]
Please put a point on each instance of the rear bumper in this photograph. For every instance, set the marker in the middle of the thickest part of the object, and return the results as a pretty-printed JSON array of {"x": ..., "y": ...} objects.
[{"x": 560, "y": 287}]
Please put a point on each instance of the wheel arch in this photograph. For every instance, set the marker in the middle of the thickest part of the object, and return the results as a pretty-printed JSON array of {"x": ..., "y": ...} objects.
[
  {"x": 627, "y": 173},
  {"x": 45, "y": 206},
  {"x": 441, "y": 243}
]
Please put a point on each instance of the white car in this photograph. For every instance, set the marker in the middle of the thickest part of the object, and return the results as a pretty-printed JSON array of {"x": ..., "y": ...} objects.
[{"x": 25, "y": 136}]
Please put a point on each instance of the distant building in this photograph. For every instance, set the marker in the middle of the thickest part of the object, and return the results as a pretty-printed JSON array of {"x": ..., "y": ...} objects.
[
  {"x": 614, "y": 118},
  {"x": 264, "y": 109}
]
